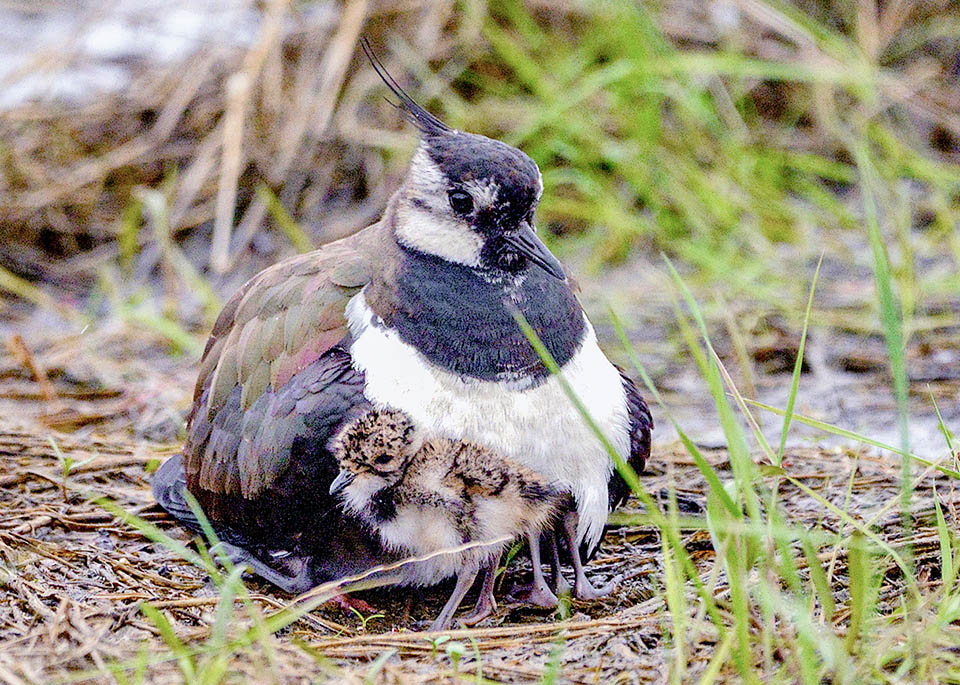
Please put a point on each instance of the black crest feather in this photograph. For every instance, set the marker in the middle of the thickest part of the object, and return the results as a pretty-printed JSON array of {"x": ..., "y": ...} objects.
[{"x": 425, "y": 122}]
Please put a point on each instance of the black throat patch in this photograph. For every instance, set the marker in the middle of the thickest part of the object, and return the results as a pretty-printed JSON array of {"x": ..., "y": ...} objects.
[
  {"x": 383, "y": 505},
  {"x": 462, "y": 322}
]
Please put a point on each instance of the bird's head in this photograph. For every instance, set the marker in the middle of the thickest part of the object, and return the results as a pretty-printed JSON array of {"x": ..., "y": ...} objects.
[
  {"x": 373, "y": 452},
  {"x": 467, "y": 198}
]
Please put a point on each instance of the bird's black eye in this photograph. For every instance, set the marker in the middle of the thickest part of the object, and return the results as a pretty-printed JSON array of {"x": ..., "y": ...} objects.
[
  {"x": 461, "y": 202},
  {"x": 382, "y": 459}
]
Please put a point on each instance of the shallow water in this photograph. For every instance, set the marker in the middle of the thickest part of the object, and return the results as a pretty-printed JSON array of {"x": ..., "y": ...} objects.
[{"x": 846, "y": 380}]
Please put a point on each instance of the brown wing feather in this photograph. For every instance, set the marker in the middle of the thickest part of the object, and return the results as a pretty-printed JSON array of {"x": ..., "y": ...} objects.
[{"x": 279, "y": 323}]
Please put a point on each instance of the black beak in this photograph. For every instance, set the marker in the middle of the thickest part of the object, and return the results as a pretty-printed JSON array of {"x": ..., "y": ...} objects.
[
  {"x": 526, "y": 242},
  {"x": 343, "y": 479}
]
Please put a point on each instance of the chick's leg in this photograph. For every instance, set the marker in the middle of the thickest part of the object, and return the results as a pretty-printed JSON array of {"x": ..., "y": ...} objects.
[
  {"x": 582, "y": 588},
  {"x": 465, "y": 579},
  {"x": 538, "y": 592},
  {"x": 558, "y": 583},
  {"x": 486, "y": 602}
]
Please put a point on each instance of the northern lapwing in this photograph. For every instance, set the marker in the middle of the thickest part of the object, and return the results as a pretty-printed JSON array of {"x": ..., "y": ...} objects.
[
  {"x": 415, "y": 312},
  {"x": 454, "y": 505}
]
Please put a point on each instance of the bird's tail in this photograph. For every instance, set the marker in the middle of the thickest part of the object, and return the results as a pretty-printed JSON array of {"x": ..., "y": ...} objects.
[{"x": 169, "y": 485}]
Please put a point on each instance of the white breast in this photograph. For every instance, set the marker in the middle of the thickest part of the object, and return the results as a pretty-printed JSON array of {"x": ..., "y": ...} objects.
[
  {"x": 537, "y": 426},
  {"x": 417, "y": 532},
  {"x": 430, "y": 532}
]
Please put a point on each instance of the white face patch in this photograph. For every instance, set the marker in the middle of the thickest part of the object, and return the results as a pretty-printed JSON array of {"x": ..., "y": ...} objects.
[
  {"x": 449, "y": 239},
  {"x": 484, "y": 192},
  {"x": 426, "y": 222},
  {"x": 357, "y": 495},
  {"x": 537, "y": 426}
]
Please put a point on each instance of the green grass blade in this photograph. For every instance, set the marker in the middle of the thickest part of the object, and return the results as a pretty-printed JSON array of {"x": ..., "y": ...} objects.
[
  {"x": 224, "y": 611},
  {"x": 740, "y": 460},
  {"x": 717, "y": 661},
  {"x": 944, "y": 431},
  {"x": 947, "y": 569},
  {"x": 852, "y": 435},
  {"x": 705, "y": 468},
  {"x": 889, "y": 308},
  {"x": 287, "y": 224},
  {"x": 179, "y": 649},
  {"x": 858, "y": 570},
  {"x": 624, "y": 469},
  {"x": 818, "y": 577},
  {"x": 153, "y": 533},
  {"x": 797, "y": 367},
  {"x": 676, "y": 604},
  {"x": 891, "y": 318}
]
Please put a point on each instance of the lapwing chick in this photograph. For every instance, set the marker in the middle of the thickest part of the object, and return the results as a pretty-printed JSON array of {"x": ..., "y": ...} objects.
[{"x": 425, "y": 497}]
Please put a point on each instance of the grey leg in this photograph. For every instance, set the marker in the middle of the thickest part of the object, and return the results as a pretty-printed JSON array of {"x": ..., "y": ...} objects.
[
  {"x": 294, "y": 584},
  {"x": 538, "y": 592},
  {"x": 558, "y": 583},
  {"x": 465, "y": 579},
  {"x": 582, "y": 589},
  {"x": 486, "y": 602}
]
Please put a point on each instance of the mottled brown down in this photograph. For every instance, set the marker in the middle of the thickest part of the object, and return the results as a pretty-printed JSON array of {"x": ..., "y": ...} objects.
[{"x": 449, "y": 476}]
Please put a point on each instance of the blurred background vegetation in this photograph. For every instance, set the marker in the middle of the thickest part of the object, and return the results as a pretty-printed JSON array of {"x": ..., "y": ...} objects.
[{"x": 155, "y": 156}]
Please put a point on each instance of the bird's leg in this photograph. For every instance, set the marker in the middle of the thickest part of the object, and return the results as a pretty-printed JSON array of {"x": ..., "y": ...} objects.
[
  {"x": 486, "y": 602},
  {"x": 538, "y": 592},
  {"x": 295, "y": 583},
  {"x": 558, "y": 583},
  {"x": 582, "y": 588},
  {"x": 465, "y": 579}
]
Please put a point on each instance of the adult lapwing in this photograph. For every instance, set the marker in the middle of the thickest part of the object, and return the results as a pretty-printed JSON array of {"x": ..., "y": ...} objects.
[{"x": 415, "y": 313}]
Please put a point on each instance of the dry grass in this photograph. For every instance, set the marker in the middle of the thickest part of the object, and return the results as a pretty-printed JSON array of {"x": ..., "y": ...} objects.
[
  {"x": 75, "y": 577},
  {"x": 206, "y": 132}
]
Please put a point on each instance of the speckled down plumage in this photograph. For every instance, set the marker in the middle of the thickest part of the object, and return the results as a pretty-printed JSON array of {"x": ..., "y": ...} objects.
[{"x": 424, "y": 496}]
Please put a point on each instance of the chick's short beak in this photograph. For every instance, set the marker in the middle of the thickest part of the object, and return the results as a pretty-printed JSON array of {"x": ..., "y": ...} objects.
[
  {"x": 343, "y": 479},
  {"x": 526, "y": 242}
]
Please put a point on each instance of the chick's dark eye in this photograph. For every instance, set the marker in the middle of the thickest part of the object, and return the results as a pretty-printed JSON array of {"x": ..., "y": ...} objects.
[
  {"x": 382, "y": 459},
  {"x": 461, "y": 201}
]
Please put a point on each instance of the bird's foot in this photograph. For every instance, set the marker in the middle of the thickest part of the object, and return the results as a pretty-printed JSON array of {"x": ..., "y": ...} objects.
[
  {"x": 535, "y": 593},
  {"x": 486, "y": 606},
  {"x": 559, "y": 584},
  {"x": 297, "y": 580},
  {"x": 439, "y": 623},
  {"x": 584, "y": 589}
]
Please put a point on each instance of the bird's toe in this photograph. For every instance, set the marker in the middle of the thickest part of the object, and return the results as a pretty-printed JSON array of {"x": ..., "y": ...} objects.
[
  {"x": 586, "y": 590},
  {"x": 536, "y": 594},
  {"x": 484, "y": 609}
]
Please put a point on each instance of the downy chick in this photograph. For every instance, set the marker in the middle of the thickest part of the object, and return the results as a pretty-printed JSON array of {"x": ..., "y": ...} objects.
[{"x": 425, "y": 497}]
